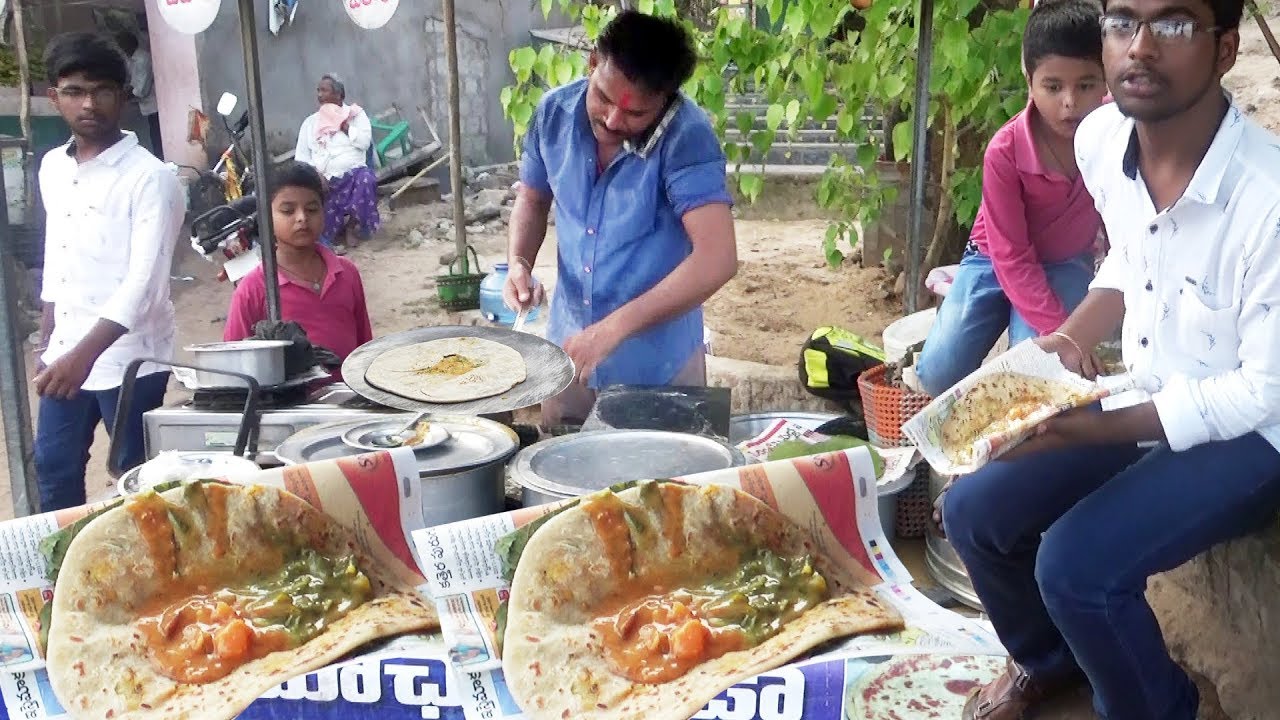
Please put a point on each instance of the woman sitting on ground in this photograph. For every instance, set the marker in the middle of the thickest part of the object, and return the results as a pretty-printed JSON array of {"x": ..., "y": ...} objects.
[
  {"x": 335, "y": 140},
  {"x": 318, "y": 290}
]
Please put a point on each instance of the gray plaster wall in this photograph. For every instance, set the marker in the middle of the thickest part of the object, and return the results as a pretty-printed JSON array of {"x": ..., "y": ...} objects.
[{"x": 402, "y": 63}]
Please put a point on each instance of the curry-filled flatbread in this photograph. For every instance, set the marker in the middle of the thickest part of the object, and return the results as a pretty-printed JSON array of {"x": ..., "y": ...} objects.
[
  {"x": 194, "y": 602},
  {"x": 649, "y": 602},
  {"x": 448, "y": 370},
  {"x": 1001, "y": 403}
]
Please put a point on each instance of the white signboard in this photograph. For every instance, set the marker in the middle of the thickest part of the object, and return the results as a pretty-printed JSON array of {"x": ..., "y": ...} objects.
[
  {"x": 370, "y": 14},
  {"x": 189, "y": 16}
]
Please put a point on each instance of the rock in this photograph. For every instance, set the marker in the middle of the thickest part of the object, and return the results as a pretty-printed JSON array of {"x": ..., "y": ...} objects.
[
  {"x": 475, "y": 229},
  {"x": 855, "y": 256},
  {"x": 496, "y": 197},
  {"x": 761, "y": 388},
  {"x": 484, "y": 214},
  {"x": 415, "y": 239},
  {"x": 444, "y": 225},
  {"x": 1220, "y": 613},
  {"x": 506, "y": 215},
  {"x": 900, "y": 285},
  {"x": 447, "y": 257}
]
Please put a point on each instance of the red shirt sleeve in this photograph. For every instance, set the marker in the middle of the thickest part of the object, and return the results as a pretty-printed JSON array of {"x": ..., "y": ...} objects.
[
  {"x": 248, "y": 307},
  {"x": 364, "y": 329},
  {"x": 1014, "y": 258}
]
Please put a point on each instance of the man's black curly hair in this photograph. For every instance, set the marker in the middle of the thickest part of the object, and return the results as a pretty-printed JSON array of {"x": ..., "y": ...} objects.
[
  {"x": 657, "y": 53},
  {"x": 93, "y": 54}
]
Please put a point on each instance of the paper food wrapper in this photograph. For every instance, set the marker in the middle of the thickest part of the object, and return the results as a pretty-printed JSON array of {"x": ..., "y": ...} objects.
[
  {"x": 925, "y": 429},
  {"x": 897, "y": 461}
]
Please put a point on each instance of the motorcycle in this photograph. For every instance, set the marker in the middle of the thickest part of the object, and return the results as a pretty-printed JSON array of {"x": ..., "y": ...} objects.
[
  {"x": 229, "y": 234},
  {"x": 232, "y": 176}
]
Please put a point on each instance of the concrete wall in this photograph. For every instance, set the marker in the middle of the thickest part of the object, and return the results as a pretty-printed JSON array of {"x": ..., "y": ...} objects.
[
  {"x": 401, "y": 63},
  {"x": 177, "y": 81}
]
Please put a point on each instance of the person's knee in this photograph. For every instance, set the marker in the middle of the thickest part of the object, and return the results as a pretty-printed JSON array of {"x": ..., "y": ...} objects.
[
  {"x": 1064, "y": 571},
  {"x": 936, "y": 372}
]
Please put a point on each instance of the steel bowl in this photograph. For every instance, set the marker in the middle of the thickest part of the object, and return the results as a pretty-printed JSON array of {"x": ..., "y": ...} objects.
[{"x": 262, "y": 360}]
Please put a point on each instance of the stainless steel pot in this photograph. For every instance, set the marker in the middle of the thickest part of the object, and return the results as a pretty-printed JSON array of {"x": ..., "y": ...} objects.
[
  {"x": 746, "y": 427},
  {"x": 573, "y": 465},
  {"x": 940, "y": 558},
  {"x": 462, "y": 478},
  {"x": 263, "y": 360}
]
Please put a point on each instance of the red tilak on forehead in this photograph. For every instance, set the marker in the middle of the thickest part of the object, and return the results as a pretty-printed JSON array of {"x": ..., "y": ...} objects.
[{"x": 625, "y": 101}]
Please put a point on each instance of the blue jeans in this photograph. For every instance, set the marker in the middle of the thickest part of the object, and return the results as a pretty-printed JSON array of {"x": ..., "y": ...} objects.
[
  {"x": 976, "y": 311},
  {"x": 64, "y": 434},
  {"x": 1059, "y": 547}
]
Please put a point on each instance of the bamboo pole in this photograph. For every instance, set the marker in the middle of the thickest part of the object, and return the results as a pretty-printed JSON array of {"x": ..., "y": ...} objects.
[
  {"x": 24, "y": 104},
  {"x": 455, "y": 135},
  {"x": 1265, "y": 28}
]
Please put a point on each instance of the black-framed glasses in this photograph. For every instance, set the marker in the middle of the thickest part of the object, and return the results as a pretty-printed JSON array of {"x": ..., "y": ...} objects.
[
  {"x": 1167, "y": 30},
  {"x": 101, "y": 95}
]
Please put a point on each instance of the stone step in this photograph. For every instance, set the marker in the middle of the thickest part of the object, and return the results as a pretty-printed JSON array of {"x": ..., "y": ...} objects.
[
  {"x": 777, "y": 170},
  {"x": 805, "y": 136},
  {"x": 788, "y": 153}
]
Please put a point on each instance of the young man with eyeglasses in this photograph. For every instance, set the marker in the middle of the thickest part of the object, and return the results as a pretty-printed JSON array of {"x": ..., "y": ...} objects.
[
  {"x": 114, "y": 213},
  {"x": 1060, "y": 535}
]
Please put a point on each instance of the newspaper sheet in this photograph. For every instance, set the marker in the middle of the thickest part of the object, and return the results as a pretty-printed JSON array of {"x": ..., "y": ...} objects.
[
  {"x": 821, "y": 492},
  {"x": 932, "y": 664},
  {"x": 897, "y": 461}
]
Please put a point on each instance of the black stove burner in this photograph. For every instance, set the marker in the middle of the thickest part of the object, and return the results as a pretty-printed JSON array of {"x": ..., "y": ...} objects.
[{"x": 234, "y": 398}]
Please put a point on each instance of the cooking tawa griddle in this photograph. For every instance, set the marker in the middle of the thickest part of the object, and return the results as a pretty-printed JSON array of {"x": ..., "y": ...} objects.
[{"x": 548, "y": 370}]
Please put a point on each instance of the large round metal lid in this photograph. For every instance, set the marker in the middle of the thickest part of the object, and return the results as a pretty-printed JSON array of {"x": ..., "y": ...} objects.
[
  {"x": 473, "y": 442},
  {"x": 583, "y": 463}
]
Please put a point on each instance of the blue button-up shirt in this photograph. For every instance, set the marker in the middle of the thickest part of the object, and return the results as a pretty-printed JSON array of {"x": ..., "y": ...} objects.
[{"x": 619, "y": 232}]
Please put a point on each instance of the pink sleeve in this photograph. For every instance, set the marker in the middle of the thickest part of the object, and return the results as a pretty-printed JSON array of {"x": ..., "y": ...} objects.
[
  {"x": 248, "y": 306},
  {"x": 1014, "y": 258},
  {"x": 364, "y": 329}
]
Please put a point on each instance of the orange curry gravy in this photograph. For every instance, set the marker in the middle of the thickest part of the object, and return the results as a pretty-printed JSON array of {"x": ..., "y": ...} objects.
[
  {"x": 279, "y": 596},
  {"x": 699, "y": 605}
]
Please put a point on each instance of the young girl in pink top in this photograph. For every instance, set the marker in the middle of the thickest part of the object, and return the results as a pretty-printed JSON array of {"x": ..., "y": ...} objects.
[
  {"x": 318, "y": 290},
  {"x": 1030, "y": 255}
]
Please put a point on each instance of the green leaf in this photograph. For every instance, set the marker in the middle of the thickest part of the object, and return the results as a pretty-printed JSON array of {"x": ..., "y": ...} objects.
[
  {"x": 743, "y": 121},
  {"x": 796, "y": 21},
  {"x": 713, "y": 84},
  {"x": 793, "y": 112},
  {"x": 867, "y": 154},
  {"x": 521, "y": 113},
  {"x": 901, "y": 140},
  {"x": 750, "y": 186},
  {"x": 645, "y": 6},
  {"x": 893, "y": 86},
  {"x": 823, "y": 108},
  {"x": 547, "y": 6},
  {"x": 774, "y": 115},
  {"x": 522, "y": 62},
  {"x": 844, "y": 121}
]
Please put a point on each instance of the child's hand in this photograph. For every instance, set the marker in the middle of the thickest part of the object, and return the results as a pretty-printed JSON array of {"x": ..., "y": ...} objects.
[{"x": 1086, "y": 365}]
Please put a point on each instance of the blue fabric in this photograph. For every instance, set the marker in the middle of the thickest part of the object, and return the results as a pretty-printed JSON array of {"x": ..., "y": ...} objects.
[
  {"x": 976, "y": 311},
  {"x": 1110, "y": 517},
  {"x": 64, "y": 433},
  {"x": 619, "y": 234}
]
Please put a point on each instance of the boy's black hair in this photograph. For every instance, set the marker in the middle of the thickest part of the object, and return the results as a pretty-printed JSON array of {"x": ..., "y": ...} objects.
[
  {"x": 1226, "y": 13},
  {"x": 95, "y": 55},
  {"x": 128, "y": 42},
  {"x": 299, "y": 175},
  {"x": 655, "y": 52},
  {"x": 1067, "y": 28}
]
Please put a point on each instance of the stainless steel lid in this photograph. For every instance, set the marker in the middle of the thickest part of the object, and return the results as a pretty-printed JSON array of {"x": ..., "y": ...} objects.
[
  {"x": 236, "y": 345},
  {"x": 585, "y": 462},
  {"x": 474, "y": 442}
]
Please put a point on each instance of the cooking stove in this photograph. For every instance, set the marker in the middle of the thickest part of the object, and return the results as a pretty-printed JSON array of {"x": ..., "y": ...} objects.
[{"x": 210, "y": 420}]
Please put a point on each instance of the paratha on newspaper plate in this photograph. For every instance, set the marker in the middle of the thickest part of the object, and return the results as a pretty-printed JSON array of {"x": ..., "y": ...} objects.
[
  {"x": 1005, "y": 404},
  {"x": 194, "y": 602},
  {"x": 448, "y": 370},
  {"x": 649, "y": 602}
]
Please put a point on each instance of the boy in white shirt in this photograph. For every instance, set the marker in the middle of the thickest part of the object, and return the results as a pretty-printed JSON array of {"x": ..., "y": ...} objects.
[{"x": 114, "y": 213}]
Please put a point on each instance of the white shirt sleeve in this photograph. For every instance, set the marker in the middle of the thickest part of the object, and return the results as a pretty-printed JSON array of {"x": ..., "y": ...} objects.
[
  {"x": 156, "y": 221},
  {"x": 302, "y": 153},
  {"x": 1238, "y": 402},
  {"x": 360, "y": 131}
]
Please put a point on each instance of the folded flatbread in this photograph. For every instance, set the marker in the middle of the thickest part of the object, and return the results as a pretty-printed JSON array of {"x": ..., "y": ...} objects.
[
  {"x": 194, "y": 602},
  {"x": 1002, "y": 403},
  {"x": 650, "y": 602},
  {"x": 448, "y": 370}
]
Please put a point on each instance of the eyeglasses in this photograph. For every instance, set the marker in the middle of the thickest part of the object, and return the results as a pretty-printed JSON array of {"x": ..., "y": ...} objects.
[
  {"x": 1165, "y": 30},
  {"x": 100, "y": 95}
]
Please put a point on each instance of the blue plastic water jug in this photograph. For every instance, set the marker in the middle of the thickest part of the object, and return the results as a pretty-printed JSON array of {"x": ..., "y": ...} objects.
[{"x": 491, "y": 306}]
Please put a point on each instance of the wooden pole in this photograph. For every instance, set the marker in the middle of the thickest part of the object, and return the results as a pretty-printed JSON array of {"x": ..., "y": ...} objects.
[
  {"x": 455, "y": 135},
  {"x": 24, "y": 104},
  {"x": 1265, "y": 28}
]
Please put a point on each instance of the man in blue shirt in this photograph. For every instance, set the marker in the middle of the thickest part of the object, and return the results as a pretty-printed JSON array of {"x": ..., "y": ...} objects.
[{"x": 643, "y": 222}]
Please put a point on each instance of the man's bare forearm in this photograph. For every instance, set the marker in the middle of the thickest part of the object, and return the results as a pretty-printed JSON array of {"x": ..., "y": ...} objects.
[
  {"x": 101, "y": 336},
  {"x": 47, "y": 323},
  {"x": 1096, "y": 319},
  {"x": 528, "y": 226}
]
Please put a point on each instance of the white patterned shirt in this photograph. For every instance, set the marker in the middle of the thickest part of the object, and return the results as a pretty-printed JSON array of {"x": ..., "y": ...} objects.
[
  {"x": 111, "y": 229},
  {"x": 1201, "y": 280}
]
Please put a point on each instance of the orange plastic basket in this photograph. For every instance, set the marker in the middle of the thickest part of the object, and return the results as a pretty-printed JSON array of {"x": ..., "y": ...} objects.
[{"x": 887, "y": 408}]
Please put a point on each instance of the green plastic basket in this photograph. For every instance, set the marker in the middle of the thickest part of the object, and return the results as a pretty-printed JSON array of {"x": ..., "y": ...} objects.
[{"x": 460, "y": 291}]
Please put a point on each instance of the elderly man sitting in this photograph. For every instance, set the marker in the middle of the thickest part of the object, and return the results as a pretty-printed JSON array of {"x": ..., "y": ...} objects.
[{"x": 336, "y": 140}]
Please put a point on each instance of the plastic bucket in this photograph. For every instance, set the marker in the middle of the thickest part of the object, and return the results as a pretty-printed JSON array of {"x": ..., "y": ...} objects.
[{"x": 905, "y": 332}]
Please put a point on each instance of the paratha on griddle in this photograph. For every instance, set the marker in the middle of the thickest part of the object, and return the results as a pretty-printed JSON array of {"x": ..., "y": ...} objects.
[{"x": 448, "y": 370}]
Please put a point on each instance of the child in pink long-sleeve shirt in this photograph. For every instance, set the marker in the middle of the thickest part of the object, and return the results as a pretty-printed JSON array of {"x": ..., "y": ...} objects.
[
  {"x": 1030, "y": 255},
  {"x": 318, "y": 290}
]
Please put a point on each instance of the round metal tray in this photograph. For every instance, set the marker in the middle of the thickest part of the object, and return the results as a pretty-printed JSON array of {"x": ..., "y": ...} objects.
[
  {"x": 548, "y": 370},
  {"x": 364, "y": 435}
]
